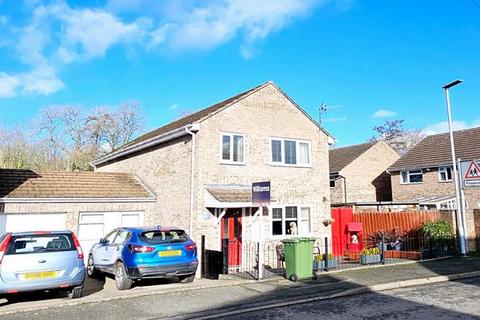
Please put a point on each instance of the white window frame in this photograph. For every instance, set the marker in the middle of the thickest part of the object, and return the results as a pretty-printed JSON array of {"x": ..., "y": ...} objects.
[
  {"x": 444, "y": 169},
  {"x": 284, "y": 231},
  {"x": 409, "y": 173},
  {"x": 231, "y": 135},
  {"x": 282, "y": 152}
]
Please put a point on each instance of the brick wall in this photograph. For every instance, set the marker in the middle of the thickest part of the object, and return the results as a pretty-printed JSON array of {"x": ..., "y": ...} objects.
[
  {"x": 432, "y": 187},
  {"x": 366, "y": 179},
  {"x": 165, "y": 169},
  {"x": 264, "y": 114},
  {"x": 72, "y": 210},
  {"x": 337, "y": 194}
]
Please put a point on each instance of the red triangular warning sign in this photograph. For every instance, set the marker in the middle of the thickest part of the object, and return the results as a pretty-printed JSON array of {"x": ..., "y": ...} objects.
[{"x": 473, "y": 171}]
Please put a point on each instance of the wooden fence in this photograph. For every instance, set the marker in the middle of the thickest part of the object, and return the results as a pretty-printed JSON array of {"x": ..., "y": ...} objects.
[{"x": 405, "y": 221}]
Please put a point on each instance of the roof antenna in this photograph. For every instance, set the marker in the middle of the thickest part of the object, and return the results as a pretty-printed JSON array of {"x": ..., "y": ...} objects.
[{"x": 321, "y": 110}]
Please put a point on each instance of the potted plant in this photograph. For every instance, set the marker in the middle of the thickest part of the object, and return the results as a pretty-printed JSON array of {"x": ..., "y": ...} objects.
[
  {"x": 328, "y": 221},
  {"x": 319, "y": 261},
  {"x": 440, "y": 237},
  {"x": 370, "y": 256}
]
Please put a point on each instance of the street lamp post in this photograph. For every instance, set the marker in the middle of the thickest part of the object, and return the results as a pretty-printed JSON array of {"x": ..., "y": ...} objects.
[{"x": 459, "y": 216}]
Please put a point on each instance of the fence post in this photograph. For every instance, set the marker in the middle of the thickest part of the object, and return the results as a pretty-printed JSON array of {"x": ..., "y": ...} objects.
[
  {"x": 203, "y": 257},
  {"x": 225, "y": 255},
  {"x": 325, "y": 257},
  {"x": 382, "y": 255}
]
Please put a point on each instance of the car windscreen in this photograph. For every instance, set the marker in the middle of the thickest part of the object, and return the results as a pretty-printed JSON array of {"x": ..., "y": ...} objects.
[
  {"x": 39, "y": 243},
  {"x": 160, "y": 237}
]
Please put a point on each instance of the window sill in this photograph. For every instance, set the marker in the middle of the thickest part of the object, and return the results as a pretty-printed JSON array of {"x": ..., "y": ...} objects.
[
  {"x": 290, "y": 165},
  {"x": 231, "y": 163},
  {"x": 409, "y": 183},
  {"x": 446, "y": 181}
]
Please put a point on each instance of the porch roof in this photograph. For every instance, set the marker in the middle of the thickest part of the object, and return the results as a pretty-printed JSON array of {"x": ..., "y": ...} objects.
[{"x": 231, "y": 194}]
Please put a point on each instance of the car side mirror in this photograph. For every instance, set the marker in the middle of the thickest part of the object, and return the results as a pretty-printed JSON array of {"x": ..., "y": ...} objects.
[{"x": 103, "y": 241}]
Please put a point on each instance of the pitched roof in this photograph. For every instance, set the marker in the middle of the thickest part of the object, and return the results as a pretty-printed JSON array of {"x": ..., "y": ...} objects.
[
  {"x": 192, "y": 118},
  {"x": 231, "y": 195},
  {"x": 341, "y": 157},
  {"x": 15, "y": 183},
  {"x": 434, "y": 150}
]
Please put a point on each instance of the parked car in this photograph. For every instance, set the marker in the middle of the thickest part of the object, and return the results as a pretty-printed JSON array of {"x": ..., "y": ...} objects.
[
  {"x": 132, "y": 254},
  {"x": 37, "y": 261}
]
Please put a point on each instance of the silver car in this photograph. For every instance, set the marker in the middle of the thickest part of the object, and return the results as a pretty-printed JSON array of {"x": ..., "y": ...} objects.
[{"x": 38, "y": 261}]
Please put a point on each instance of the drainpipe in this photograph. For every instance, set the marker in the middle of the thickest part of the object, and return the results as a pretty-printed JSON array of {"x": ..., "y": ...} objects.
[{"x": 192, "y": 130}]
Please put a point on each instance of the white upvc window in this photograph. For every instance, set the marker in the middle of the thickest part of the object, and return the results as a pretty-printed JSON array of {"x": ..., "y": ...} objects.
[
  {"x": 290, "y": 152},
  {"x": 412, "y": 176},
  {"x": 445, "y": 174},
  {"x": 288, "y": 218},
  {"x": 232, "y": 148}
]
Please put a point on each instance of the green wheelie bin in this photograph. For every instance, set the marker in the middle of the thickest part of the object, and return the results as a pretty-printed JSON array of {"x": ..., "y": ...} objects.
[{"x": 299, "y": 258}]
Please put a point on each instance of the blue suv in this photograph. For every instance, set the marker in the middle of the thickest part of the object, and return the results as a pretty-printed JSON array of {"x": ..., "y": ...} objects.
[{"x": 132, "y": 254}]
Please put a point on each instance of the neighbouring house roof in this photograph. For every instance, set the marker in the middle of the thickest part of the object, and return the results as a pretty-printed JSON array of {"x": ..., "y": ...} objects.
[
  {"x": 16, "y": 183},
  {"x": 227, "y": 194},
  {"x": 434, "y": 150},
  {"x": 339, "y": 158},
  {"x": 194, "y": 118}
]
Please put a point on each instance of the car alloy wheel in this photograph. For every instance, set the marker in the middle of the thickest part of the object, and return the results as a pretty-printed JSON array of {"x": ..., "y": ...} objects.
[{"x": 90, "y": 266}]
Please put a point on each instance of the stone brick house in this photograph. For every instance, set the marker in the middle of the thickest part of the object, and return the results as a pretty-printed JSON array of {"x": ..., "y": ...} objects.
[
  {"x": 202, "y": 167},
  {"x": 358, "y": 173},
  {"x": 88, "y": 203},
  {"x": 424, "y": 174}
]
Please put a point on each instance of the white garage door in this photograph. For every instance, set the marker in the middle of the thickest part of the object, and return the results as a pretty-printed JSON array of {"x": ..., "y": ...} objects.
[
  {"x": 95, "y": 225},
  {"x": 17, "y": 222}
]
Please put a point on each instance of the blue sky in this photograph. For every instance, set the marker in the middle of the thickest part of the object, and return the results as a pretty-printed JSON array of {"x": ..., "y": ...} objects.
[{"x": 370, "y": 61}]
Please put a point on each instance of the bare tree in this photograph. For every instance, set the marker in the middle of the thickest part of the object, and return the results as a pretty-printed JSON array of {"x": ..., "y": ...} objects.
[
  {"x": 67, "y": 138},
  {"x": 399, "y": 138},
  {"x": 14, "y": 150},
  {"x": 126, "y": 122}
]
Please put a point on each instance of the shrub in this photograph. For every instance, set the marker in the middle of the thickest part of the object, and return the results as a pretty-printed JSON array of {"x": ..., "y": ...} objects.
[{"x": 438, "y": 231}]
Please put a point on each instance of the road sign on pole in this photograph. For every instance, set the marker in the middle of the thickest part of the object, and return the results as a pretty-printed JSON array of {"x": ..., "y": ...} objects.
[{"x": 470, "y": 173}]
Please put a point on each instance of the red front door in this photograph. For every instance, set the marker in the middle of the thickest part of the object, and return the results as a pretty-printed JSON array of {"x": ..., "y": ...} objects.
[{"x": 231, "y": 229}]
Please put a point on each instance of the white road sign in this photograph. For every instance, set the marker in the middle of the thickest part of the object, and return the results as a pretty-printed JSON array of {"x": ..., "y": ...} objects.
[{"x": 470, "y": 173}]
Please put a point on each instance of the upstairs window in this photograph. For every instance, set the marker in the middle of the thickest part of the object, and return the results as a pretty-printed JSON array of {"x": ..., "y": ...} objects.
[
  {"x": 290, "y": 152},
  {"x": 232, "y": 148},
  {"x": 445, "y": 174},
  {"x": 413, "y": 176}
]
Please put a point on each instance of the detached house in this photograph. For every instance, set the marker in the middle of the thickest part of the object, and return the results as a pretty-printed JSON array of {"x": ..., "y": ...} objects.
[
  {"x": 424, "y": 174},
  {"x": 358, "y": 173},
  {"x": 201, "y": 169}
]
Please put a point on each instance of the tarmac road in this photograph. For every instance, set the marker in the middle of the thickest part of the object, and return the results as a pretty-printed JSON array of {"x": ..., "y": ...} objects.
[{"x": 447, "y": 300}]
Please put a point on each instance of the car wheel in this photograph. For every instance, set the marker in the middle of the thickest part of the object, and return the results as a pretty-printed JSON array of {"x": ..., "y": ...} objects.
[
  {"x": 76, "y": 293},
  {"x": 121, "y": 279},
  {"x": 91, "y": 271},
  {"x": 187, "y": 279}
]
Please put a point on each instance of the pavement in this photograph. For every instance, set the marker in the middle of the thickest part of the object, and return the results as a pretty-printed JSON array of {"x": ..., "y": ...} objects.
[{"x": 212, "y": 298}]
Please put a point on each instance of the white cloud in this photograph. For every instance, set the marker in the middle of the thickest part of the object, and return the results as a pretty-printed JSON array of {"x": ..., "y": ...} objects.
[
  {"x": 382, "y": 113},
  {"x": 57, "y": 34},
  {"x": 8, "y": 85},
  {"x": 442, "y": 127},
  {"x": 210, "y": 26},
  {"x": 42, "y": 80}
]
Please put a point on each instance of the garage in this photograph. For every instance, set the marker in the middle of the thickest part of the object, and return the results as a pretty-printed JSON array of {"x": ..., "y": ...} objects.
[
  {"x": 95, "y": 225},
  {"x": 88, "y": 203},
  {"x": 16, "y": 222}
]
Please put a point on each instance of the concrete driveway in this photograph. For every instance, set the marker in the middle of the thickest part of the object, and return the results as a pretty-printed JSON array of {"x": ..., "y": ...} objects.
[{"x": 104, "y": 290}]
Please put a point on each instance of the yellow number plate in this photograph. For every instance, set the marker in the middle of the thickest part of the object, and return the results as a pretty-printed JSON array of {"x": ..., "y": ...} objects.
[
  {"x": 40, "y": 275},
  {"x": 170, "y": 253}
]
